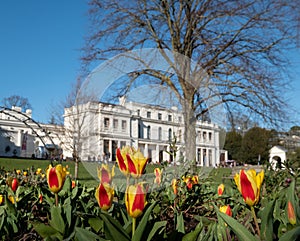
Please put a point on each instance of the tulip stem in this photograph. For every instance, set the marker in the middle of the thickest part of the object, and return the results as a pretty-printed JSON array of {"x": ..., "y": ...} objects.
[
  {"x": 255, "y": 220},
  {"x": 133, "y": 226},
  {"x": 56, "y": 199}
]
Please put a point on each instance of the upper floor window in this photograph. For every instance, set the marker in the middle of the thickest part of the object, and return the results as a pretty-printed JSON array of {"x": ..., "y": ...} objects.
[
  {"x": 148, "y": 114},
  {"x": 138, "y": 112},
  {"x": 209, "y": 136},
  {"x": 115, "y": 124},
  {"x": 169, "y": 117},
  {"x": 124, "y": 125},
  {"x": 179, "y": 119},
  {"x": 106, "y": 122},
  {"x": 204, "y": 135},
  {"x": 159, "y": 116}
]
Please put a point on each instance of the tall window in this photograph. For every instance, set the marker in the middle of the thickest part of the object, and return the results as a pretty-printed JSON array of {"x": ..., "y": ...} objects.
[
  {"x": 159, "y": 133},
  {"x": 209, "y": 136},
  {"x": 169, "y": 117},
  {"x": 115, "y": 124},
  {"x": 141, "y": 130},
  {"x": 148, "y": 132},
  {"x": 159, "y": 116},
  {"x": 148, "y": 114},
  {"x": 124, "y": 125},
  {"x": 170, "y": 134},
  {"x": 106, "y": 123}
]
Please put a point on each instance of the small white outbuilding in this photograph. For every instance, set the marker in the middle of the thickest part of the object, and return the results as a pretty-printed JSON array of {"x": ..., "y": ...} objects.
[{"x": 277, "y": 156}]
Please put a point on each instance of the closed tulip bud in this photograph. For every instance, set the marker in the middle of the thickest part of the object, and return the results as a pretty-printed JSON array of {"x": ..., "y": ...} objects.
[
  {"x": 56, "y": 177},
  {"x": 135, "y": 200},
  {"x": 221, "y": 189},
  {"x": 226, "y": 209},
  {"x": 249, "y": 185},
  {"x": 40, "y": 198},
  {"x": 157, "y": 173},
  {"x": 1, "y": 199},
  {"x": 14, "y": 184},
  {"x": 73, "y": 184},
  {"x": 291, "y": 213},
  {"x": 174, "y": 186},
  {"x": 105, "y": 174},
  {"x": 104, "y": 195},
  {"x": 18, "y": 172}
]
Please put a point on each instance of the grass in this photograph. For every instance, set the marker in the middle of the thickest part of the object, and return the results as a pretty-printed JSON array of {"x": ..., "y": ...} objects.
[{"x": 10, "y": 164}]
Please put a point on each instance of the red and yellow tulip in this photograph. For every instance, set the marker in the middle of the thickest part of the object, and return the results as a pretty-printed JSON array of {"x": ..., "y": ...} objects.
[
  {"x": 135, "y": 200},
  {"x": 131, "y": 161},
  {"x": 221, "y": 188},
  {"x": 174, "y": 186},
  {"x": 13, "y": 183},
  {"x": 158, "y": 174},
  {"x": 249, "y": 184},
  {"x": 291, "y": 213},
  {"x": 190, "y": 181},
  {"x": 105, "y": 174},
  {"x": 56, "y": 177},
  {"x": 105, "y": 195},
  {"x": 226, "y": 209}
]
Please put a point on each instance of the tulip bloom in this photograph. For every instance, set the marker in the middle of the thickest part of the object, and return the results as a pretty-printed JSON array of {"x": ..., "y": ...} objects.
[
  {"x": 221, "y": 189},
  {"x": 158, "y": 173},
  {"x": 226, "y": 209},
  {"x": 1, "y": 199},
  {"x": 249, "y": 184},
  {"x": 104, "y": 195},
  {"x": 190, "y": 181},
  {"x": 291, "y": 213},
  {"x": 131, "y": 161},
  {"x": 174, "y": 186},
  {"x": 105, "y": 174},
  {"x": 13, "y": 183},
  {"x": 56, "y": 177},
  {"x": 38, "y": 171},
  {"x": 18, "y": 172},
  {"x": 135, "y": 200}
]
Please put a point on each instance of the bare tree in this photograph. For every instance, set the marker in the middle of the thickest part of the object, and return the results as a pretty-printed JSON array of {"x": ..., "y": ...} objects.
[
  {"x": 16, "y": 100},
  {"x": 240, "y": 45}
]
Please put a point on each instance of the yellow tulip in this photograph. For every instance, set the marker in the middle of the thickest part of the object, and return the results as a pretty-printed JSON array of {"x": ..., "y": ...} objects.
[
  {"x": 38, "y": 171},
  {"x": 221, "y": 188},
  {"x": 249, "y": 185},
  {"x": 1, "y": 199},
  {"x": 105, "y": 174},
  {"x": 226, "y": 209},
  {"x": 104, "y": 195},
  {"x": 158, "y": 174},
  {"x": 25, "y": 173},
  {"x": 135, "y": 200},
  {"x": 131, "y": 161},
  {"x": 18, "y": 172},
  {"x": 56, "y": 177},
  {"x": 174, "y": 186}
]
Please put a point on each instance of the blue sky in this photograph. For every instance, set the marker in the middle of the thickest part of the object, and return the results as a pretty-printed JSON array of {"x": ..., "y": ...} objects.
[{"x": 39, "y": 52}]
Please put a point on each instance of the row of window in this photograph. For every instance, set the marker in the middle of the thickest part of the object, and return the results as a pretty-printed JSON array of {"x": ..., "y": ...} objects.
[
  {"x": 203, "y": 135},
  {"x": 115, "y": 124},
  {"x": 159, "y": 116}
]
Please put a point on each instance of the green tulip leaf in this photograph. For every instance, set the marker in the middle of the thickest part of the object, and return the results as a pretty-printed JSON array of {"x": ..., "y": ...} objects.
[
  {"x": 113, "y": 229},
  {"x": 143, "y": 223},
  {"x": 267, "y": 221},
  {"x": 241, "y": 232},
  {"x": 82, "y": 234},
  {"x": 180, "y": 223},
  {"x": 96, "y": 224},
  {"x": 44, "y": 230},
  {"x": 193, "y": 235},
  {"x": 291, "y": 235},
  {"x": 156, "y": 227},
  {"x": 57, "y": 221}
]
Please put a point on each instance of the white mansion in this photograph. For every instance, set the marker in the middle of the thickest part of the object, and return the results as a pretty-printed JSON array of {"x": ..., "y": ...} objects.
[
  {"x": 97, "y": 129},
  {"x": 105, "y": 127}
]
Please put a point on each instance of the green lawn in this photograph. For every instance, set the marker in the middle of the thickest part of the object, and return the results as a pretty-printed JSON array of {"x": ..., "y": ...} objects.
[{"x": 10, "y": 164}]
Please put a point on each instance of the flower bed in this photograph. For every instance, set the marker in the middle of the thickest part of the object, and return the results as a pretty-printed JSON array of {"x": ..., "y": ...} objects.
[{"x": 170, "y": 203}]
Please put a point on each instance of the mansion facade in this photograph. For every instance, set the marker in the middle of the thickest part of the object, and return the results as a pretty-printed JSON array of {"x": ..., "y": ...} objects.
[
  {"x": 96, "y": 129},
  {"x": 105, "y": 127}
]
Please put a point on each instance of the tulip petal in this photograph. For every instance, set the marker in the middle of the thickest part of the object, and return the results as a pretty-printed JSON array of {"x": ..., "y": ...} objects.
[
  {"x": 121, "y": 162},
  {"x": 53, "y": 179},
  {"x": 248, "y": 187},
  {"x": 131, "y": 165}
]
